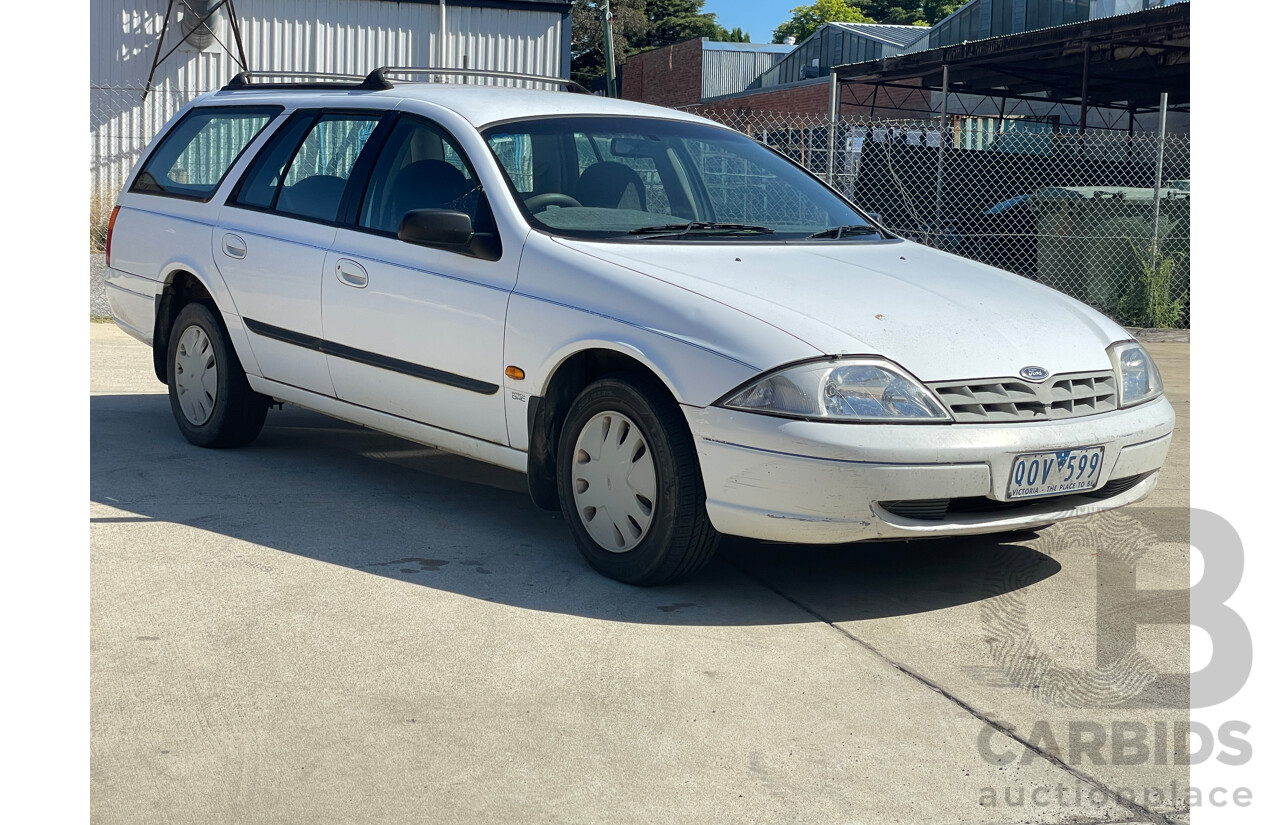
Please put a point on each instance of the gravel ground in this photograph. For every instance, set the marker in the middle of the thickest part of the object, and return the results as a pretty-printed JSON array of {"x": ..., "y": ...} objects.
[{"x": 98, "y": 307}]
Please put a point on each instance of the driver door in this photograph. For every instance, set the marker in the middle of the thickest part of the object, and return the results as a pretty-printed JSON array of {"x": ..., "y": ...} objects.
[{"x": 416, "y": 331}]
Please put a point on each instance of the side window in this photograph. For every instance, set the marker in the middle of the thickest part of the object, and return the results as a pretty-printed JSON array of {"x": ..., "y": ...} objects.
[
  {"x": 420, "y": 167},
  {"x": 306, "y": 175},
  {"x": 261, "y": 183},
  {"x": 192, "y": 160}
]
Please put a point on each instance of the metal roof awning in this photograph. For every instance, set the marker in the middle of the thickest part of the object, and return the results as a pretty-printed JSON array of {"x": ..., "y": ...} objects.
[{"x": 1122, "y": 62}]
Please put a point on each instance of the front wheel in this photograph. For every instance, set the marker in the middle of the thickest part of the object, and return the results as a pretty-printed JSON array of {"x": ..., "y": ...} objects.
[
  {"x": 209, "y": 395},
  {"x": 629, "y": 484}
]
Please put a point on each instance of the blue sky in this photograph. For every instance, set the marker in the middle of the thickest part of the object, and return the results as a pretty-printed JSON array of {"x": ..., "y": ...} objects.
[{"x": 757, "y": 17}]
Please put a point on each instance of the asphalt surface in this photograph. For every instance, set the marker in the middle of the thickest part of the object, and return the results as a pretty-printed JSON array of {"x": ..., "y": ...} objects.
[{"x": 333, "y": 625}]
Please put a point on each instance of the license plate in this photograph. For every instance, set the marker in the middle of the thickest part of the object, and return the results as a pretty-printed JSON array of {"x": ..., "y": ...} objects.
[{"x": 1055, "y": 472}]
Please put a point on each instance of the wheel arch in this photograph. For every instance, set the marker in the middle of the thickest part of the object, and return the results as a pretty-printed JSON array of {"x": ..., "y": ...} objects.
[
  {"x": 181, "y": 287},
  {"x": 183, "y": 283},
  {"x": 547, "y": 411}
]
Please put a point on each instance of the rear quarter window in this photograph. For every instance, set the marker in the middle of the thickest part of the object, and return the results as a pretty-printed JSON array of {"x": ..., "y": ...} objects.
[{"x": 194, "y": 157}]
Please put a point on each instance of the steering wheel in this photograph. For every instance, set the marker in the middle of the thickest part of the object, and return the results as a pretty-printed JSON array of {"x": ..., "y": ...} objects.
[{"x": 538, "y": 203}]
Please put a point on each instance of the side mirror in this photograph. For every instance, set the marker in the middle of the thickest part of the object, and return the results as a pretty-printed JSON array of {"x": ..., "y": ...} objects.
[
  {"x": 444, "y": 228},
  {"x": 875, "y": 216}
]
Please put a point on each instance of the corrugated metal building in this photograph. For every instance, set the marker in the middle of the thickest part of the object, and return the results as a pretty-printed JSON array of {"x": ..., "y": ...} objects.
[
  {"x": 980, "y": 19},
  {"x": 728, "y": 68},
  {"x": 696, "y": 70},
  {"x": 835, "y": 44},
  {"x": 341, "y": 36}
]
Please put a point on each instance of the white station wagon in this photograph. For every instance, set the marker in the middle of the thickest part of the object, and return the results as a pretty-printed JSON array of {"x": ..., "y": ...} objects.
[{"x": 676, "y": 332}]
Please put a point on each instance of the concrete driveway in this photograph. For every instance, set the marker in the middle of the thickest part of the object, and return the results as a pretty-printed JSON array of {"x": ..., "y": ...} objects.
[{"x": 336, "y": 626}]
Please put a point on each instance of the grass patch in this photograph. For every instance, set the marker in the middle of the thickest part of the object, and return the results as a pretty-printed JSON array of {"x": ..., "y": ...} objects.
[{"x": 1157, "y": 296}]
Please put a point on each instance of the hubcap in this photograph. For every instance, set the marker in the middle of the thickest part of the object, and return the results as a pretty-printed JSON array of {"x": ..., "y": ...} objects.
[
  {"x": 196, "y": 375},
  {"x": 614, "y": 485}
]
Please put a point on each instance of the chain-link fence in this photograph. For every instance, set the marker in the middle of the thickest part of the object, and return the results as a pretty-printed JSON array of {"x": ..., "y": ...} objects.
[
  {"x": 121, "y": 123},
  {"x": 1081, "y": 213}
]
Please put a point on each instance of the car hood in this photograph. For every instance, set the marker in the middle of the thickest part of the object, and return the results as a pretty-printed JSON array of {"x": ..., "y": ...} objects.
[{"x": 941, "y": 316}]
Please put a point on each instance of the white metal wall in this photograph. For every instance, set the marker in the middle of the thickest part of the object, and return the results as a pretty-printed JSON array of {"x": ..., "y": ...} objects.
[
  {"x": 341, "y": 36},
  {"x": 726, "y": 72}
]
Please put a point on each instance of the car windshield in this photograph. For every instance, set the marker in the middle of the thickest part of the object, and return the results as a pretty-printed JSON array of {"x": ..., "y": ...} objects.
[{"x": 646, "y": 179}]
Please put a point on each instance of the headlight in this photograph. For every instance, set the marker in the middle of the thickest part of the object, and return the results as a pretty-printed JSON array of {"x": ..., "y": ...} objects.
[
  {"x": 845, "y": 389},
  {"x": 1136, "y": 373}
]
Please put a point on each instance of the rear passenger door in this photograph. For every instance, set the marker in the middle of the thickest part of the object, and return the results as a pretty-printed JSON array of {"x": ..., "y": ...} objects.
[
  {"x": 273, "y": 234},
  {"x": 412, "y": 330}
]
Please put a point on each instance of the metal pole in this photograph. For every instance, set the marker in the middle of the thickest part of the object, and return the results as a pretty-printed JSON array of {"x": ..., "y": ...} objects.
[
  {"x": 610, "y": 77},
  {"x": 235, "y": 30},
  {"x": 444, "y": 49},
  {"x": 942, "y": 144},
  {"x": 1155, "y": 212},
  {"x": 1084, "y": 90},
  {"x": 1128, "y": 151},
  {"x": 833, "y": 115}
]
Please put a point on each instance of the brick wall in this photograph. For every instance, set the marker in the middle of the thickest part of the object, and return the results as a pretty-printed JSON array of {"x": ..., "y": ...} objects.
[
  {"x": 669, "y": 76},
  {"x": 811, "y": 99},
  {"x": 672, "y": 76}
]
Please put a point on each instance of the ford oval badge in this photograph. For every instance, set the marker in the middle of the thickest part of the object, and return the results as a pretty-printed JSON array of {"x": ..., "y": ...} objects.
[{"x": 1034, "y": 373}]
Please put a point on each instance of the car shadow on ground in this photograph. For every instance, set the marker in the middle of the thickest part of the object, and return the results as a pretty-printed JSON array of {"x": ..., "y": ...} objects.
[{"x": 345, "y": 495}]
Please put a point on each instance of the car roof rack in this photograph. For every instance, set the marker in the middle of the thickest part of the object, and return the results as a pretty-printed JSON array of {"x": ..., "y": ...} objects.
[
  {"x": 379, "y": 76},
  {"x": 377, "y": 79},
  {"x": 308, "y": 80}
]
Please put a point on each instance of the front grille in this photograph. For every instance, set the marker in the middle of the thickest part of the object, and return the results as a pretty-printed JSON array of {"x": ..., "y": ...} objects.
[
  {"x": 1013, "y": 399},
  {"x": 938, "y": 509}
]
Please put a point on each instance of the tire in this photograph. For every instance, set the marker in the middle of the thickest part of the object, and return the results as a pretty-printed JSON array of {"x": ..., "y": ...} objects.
[
  {"x": 209, "y": 395},
  {"x": 625, "y": 444}
]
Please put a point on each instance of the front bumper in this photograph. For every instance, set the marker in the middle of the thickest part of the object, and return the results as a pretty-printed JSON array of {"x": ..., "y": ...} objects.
[{"x": 823, "y": 483}]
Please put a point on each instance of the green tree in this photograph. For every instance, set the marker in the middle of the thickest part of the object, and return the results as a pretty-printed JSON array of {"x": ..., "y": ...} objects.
[
  {"x": 587, "y": 48},
  {"x": 675, "y": 21},
  {"x": 935, "y": 10},
  {"x": 896, "y": 12},
  {"x": 805, "y": 20},
  {"x": 639, "y": 25},
  {"x": 907, "y": 12}
]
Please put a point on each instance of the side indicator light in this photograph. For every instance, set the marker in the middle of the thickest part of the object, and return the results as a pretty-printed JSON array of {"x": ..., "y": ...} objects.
[{"x": 516, "y": 373}]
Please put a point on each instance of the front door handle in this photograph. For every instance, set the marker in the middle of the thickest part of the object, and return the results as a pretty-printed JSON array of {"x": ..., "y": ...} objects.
[
  {"x": 352, "y": 274},
  {"x": 234, "y": 246}
]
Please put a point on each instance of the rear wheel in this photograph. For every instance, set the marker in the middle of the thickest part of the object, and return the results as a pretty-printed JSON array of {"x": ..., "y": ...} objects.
[
  {"x": 208, "y": 393},
  {"x": 629, "y": 484}
]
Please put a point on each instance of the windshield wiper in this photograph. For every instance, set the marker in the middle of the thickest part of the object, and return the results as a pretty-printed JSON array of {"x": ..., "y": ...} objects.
[
  {"x": 677, "y": 230},
  {"x": 838, "y": 232}
]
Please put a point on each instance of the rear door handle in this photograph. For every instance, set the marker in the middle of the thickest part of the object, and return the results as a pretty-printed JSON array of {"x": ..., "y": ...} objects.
[
  {"x": 234, "y": 246},
  {"x": 352, "y": 274}
]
